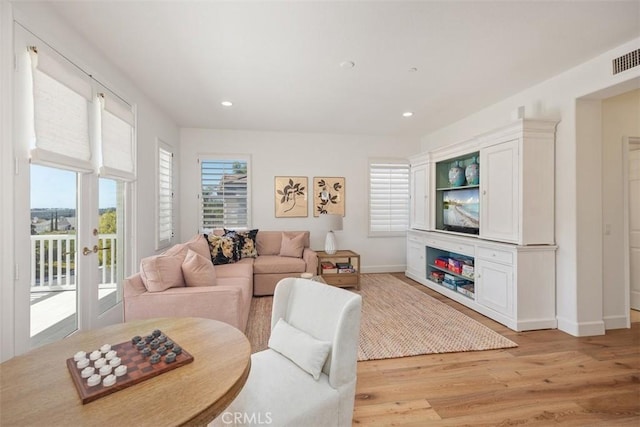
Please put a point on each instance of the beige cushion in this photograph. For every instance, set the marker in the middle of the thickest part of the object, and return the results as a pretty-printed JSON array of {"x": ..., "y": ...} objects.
[
  {"x": 161, "y": 272},
  {"x": 275, "y": 264},
  {"x": 301, "y": 348},
  {"x": 242, "y": 268},
  {"x": 292, "y": 246},
  {"x": 269, "y": 242},
  {"x": 198, "y": 270}
]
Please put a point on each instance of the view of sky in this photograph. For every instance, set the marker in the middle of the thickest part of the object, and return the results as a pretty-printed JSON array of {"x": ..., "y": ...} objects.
[{"x": 56, "y": 188}]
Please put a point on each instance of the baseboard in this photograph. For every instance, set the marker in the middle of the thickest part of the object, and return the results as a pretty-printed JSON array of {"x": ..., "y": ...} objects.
[
  {"x": 537, "y": 324},
  {"x": 582, "y": 329},
  {"x": 616, "y": 322}
]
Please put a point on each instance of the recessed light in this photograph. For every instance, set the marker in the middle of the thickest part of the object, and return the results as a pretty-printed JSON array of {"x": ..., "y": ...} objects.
[
  {"x": 226, "y": 103},
  {"x": 412, "y": 69},
  {"x": 407, "y": 114},
  {"x": 347, "y": 64}
]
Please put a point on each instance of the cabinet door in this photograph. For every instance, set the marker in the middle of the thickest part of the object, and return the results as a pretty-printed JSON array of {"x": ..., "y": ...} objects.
[
  {"x": 420, "y": 197},
  {"x": 416, "y": 263},
  {"x": 494, "y": 286},
  {"x": 499, "y": 188}
]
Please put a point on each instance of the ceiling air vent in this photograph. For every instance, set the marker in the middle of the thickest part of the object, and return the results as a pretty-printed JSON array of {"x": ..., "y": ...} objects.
[{"x": 623, "y": 63}]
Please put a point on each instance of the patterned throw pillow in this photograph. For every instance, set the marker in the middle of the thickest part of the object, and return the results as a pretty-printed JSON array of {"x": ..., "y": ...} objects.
[
  {"x": 246, "y": 241},
  {"x": 224, "y": 249}
]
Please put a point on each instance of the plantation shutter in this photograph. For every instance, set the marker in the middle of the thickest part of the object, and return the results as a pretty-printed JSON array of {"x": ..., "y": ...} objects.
[
  {"x": 165, "y": 197},
  {"x": 116, "y": 138},
  {"x": 224, "y": 194},
  {"x": 388, "y": 197},
  {"x": 61, "y": 108}
]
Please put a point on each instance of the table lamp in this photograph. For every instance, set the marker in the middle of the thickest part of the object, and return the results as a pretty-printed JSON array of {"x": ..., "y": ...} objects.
[{"x": 331, "y": 223}]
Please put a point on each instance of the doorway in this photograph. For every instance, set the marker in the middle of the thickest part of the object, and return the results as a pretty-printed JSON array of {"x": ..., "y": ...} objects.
[{"x": 632, "y": 220}]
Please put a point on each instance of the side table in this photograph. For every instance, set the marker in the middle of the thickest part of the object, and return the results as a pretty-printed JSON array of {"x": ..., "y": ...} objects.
[{"x": 332, "y": 275}]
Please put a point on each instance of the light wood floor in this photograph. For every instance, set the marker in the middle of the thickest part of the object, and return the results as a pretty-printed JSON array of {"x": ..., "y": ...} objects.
[{"x": 551, "y": 378}]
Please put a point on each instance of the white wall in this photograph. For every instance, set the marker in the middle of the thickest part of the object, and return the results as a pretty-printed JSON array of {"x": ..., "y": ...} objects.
[
  {"x": 299, "y": 154},
  {"x": 620, "y": 118},
  {"x": 556, "y": 98},
  {"x": 151, "y": 123}
]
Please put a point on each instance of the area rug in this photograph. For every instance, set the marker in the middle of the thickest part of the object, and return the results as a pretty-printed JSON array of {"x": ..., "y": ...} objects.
[{"x": 397, "y": 321}]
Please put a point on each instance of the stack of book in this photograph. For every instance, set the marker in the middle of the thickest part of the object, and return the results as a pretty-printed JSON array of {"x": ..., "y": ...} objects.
[
  {"x": 328, "y": 267},
  {"x": 345, "y": 267}
]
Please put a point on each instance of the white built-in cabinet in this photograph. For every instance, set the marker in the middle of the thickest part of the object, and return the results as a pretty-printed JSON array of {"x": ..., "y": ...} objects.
[
  {"x": 499, "y": 192},
  {"x": 513, "y": 253},
  {"x": 517, "y": 172},
  {"x": 419, "y": 214}
]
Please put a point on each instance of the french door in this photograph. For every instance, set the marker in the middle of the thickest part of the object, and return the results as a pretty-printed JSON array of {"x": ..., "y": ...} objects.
[
  {"x": 76, "y": 255},
  {"x": 71, "y": 221}
]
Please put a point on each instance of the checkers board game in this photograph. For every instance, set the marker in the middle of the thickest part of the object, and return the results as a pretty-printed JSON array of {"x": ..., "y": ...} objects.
[{"x": 136, "y": 355}]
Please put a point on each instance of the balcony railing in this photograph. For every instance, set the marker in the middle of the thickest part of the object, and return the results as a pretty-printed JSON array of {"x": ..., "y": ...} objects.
[{"x": 53, "y": 260}]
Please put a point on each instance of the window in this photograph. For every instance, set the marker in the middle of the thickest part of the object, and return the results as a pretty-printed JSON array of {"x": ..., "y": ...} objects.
[
  {"x": 165, "y": 196},
  {"x": 388, "y": 197},
  {"x": 224, "y": 197}
]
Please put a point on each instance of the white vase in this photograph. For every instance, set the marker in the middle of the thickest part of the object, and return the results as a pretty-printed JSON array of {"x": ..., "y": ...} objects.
[{"x": 330, "y": 243}]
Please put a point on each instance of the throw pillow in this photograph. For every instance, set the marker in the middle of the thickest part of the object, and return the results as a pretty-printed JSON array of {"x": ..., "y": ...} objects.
[
  {"x": 198, "y": 243},
  {"x": 292, "y": 246},
  {"x": 246, "y": 242},
  {"x": 198, "y": 270},
  {"x": 224, "y": 250},
  {"x": 307, "y": 352},
  {"x": 161, "y": 272}
]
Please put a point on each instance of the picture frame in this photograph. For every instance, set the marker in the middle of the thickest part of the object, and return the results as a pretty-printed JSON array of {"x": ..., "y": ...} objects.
[
  {"x": 329, "y": 196},
  {"x": 290, "y": 196}
]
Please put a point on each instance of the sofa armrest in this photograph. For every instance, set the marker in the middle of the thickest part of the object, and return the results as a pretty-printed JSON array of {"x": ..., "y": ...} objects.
[
  {"x": 133, "y": 286},
  {"x": 310, "y": 257},
  {"x": 210, "y": 302}
]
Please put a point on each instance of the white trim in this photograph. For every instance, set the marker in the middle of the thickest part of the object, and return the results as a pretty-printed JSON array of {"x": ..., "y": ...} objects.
[
  {"x": 581, "y": 329},
  {"x": 7, "y": 266},
  {"x": 617, "y": 322}
]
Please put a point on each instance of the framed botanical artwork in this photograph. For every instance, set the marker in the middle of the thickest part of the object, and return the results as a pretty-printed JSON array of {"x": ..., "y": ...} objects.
[
  {"x": 328, "y": 195},
  {"x": 291, "y": 196}
]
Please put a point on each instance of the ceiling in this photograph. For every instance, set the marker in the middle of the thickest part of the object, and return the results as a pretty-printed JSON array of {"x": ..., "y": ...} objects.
[{"x": 279, "y": 61}]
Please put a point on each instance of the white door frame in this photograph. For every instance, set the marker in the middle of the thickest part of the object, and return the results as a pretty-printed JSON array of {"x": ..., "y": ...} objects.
[{"x": 629, "y": 143}]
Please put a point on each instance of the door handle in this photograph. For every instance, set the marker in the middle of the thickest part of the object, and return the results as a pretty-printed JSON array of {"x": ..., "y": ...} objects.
[{"x": 87, "y": 251}]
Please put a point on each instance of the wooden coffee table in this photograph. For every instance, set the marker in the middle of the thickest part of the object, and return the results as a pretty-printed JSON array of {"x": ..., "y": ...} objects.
[{"x": 37, "y": 388}]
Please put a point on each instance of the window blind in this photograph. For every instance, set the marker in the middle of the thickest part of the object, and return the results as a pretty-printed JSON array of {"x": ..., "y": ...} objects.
[
  {"x": 116, "y": 138},
  {"x": 60, "y": 119},
  {"x": 165, "y": 196},
  {"x": 224, "y": 197},
  {"x": 388, "y": 197}
]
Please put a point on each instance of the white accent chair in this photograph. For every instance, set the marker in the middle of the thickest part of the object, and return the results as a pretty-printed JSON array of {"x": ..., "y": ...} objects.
[{"x": 280, "y": 393}]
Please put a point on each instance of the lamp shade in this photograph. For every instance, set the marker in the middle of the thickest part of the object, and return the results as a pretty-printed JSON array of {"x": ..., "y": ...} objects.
[{"x": 332, "y": 222}]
